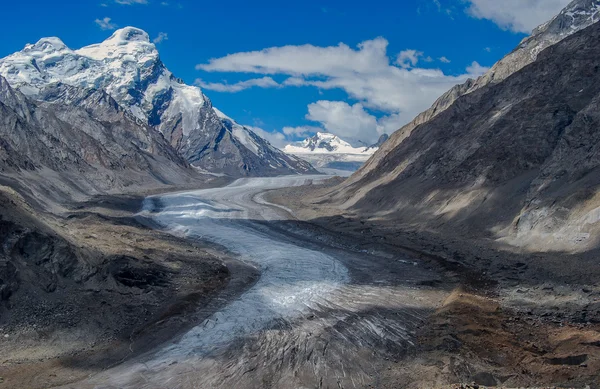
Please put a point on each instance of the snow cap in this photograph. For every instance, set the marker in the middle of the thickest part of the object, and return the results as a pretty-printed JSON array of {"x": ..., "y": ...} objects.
[{"x": 128, "y": 34}]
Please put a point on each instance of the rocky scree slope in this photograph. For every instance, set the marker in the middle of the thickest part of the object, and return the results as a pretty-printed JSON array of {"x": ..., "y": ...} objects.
[
  {"x": 516, "y": 160},
  {"x": 78, "y": 142},
  {"x": 128, "y": 67},
  {"x": 579, "y": 14}
]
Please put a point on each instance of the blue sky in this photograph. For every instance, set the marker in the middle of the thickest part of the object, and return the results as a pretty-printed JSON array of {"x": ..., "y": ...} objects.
[{"x": 355, "y": 68}]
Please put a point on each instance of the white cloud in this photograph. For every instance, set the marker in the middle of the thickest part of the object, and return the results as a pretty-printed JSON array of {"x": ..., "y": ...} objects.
[
  {"x": 301, "y": 131},
  {"x": 106, "y": 24},
  {"x": 516, "y": 15},
  {"x": 277, "y": 139},
  {"x": 265, "y": 82},
  {"x": 408, "y": 58},
  {"x": 477, "y": 70},
  {"x": 349, "y": 122},
  {"x": 365, "y": 74},
  {"x": 305, "y": 60},
  {"x": 391, "y": 123},
  {"x": 444, "y": 60},
  {"x": 131, "y": 2},
  {"x": 162, "y": 36}
]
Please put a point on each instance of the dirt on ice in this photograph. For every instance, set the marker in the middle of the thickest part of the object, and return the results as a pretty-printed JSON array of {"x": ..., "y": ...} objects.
[
  {"x": 95, "y": 285},
  {"x": 512, "y": 319}
]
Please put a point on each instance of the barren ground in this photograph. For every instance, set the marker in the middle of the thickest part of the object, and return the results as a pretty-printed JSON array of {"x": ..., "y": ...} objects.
[
  {"x": 268, "y": 289},
  {"x": 513, "y": 319}
]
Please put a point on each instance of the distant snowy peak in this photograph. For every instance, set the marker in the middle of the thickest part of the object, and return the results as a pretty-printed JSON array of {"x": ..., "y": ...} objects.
[
  {"x": 331, "y": 155},
  {"x": 326, "y": 143}
]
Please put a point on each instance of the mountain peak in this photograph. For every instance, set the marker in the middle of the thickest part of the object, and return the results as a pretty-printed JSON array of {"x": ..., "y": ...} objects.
[
  {"x": 47, "y": 45},
  {"x": 324, "y": 143},
  {"x": 127, "y": 66},
  {"x": 128, "y": 34},
  {"x": 324, "y": 135},
  {"x": 125, "y": 44}
]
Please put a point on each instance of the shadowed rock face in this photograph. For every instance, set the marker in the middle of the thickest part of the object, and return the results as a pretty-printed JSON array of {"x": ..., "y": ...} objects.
[
  {"x": 84, "y": 136},
  {"x": 517, "y": 158}
]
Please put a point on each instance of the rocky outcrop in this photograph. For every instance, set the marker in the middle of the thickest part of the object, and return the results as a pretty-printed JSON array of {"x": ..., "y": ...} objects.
[
  {"x": 515, "y": 159},
  {"x": 578, "y": 15},
  {"x": 81, "y": 140}
]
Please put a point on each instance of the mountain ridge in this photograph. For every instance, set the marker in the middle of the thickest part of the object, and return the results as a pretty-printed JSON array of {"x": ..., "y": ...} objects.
[
  {"x": 576, "y": 16},
  {"x": 80, "y": 142},
  {"x": 490, "y": 168},
  {"x": 328, "y": 151},
  {"x": 128, "y": 66}
]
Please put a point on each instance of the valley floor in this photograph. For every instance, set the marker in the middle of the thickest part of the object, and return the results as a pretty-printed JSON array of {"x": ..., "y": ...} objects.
[
  {"x": 512, "y": 319},
  {"x": 253, "y": 285},
  {"x": 139, "y": 288}
]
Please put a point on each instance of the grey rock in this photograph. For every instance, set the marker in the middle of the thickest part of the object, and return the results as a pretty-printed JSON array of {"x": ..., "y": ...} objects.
[
  {"x": 84, "y": 140},
  {"x": 516, "y": 158},
  {"x": 578, "y": 15}
]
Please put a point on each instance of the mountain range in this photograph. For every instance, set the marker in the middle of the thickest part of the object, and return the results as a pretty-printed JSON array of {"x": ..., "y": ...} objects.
[
  {"x": 327, "y": 151},
  {"x": 128, "y": 68}
]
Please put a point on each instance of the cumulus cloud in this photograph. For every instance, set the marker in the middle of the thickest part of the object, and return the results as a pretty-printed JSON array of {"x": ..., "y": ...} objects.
[
  {"x": 408, "y": 58},
  {"x": 131, "y": 2},
  {"x": 301, "y": 130},
  {"x": 350, "y": 122},
  {"x": 444, "y": 60},
  {"x": 399, "y": 90},
  {"x": 277, "y": 139},
  {"x": 162, "y": 36},
  {"x": 365, "y": 74},
  {"x": 305, "y": 59},
  {"x": 265, "y": 82},
  {"x": 516, "y": 15},
  {"x": 476, "y": 69},
  {"x": 106, "y": 24}
]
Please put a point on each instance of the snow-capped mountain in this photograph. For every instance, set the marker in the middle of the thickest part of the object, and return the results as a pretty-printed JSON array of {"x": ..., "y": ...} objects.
[
  {"x": 128, "y": 67},
  {"x": 325, "y": 143},
  {"x": 78, "y": 142},
  {"x": 328, "y": 151}
]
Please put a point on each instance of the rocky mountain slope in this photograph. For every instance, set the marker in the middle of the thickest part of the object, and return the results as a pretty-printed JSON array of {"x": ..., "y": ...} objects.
[
  {"x": 328, "y": 151},
  {"x": 578, "y": 15},
  {"x": 81, "y": 142},
  {"x": 514, "y": 158},
  {"x": 128, "y": 67}
]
